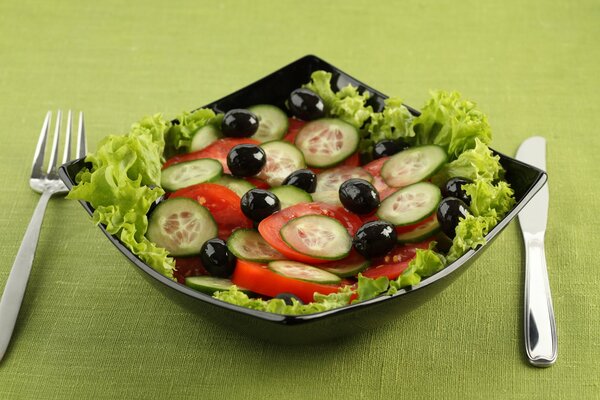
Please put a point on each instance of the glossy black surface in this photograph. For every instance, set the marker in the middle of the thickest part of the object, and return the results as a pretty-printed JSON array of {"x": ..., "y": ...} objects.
[
  {"x": 453, "y": 188},
  {"x": 359, "y": 196},
  {"x": 388, "y": 147},
  {"x": 239, "y": 122},
  {"x": 217, "y": 259},
  {"x": 258, "y": 204},
  {"x": 303, "y": 179},
  {"x": 306, "y": 105},
  {"x": 375, "y": 239},
  {"x": 352, "y": 319},
  {"x": 450, "y": 211},
  {"x": 246, "y": 160}
]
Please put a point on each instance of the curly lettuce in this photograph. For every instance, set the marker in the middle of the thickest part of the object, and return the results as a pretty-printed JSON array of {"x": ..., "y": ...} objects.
[
  {"x": 122, "y": 184},
  {"x": 452, "y": 122},
  {"x": 179, "y": 136},
  {"x": 393, "y": 122},
  {"x": 347, "y": 104}
]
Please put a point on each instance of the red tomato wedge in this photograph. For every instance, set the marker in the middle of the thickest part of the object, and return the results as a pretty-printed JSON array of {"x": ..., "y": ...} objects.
[
  {"x": 293, "y": 128},
  {"x": 217, "y": 151},
  {"x": 269, "y": 227},
  {"x": 223, "y": 204},
  {"x": 393, "y": 264},
  {"x": 260, "y": 279},
  {"x": 188, "y": 266},
  {"x": 374, "y": 168}
]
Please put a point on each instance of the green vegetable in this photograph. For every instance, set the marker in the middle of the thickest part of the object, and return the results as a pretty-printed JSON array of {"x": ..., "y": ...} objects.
[
  {"x": 278, "y": 306},
  {"x": 451, "y": 122},
  {"x": 470, "y": 233},
  {"x": 426, "y": 263},
  {"x": 394, "y": 122},
  {"x": 179, "y": 137},
  {"x": 490, "y": 200},
  {"x": 368, "y": 288},
  {"x": 347, "y": 104},
  {"x": 473, "y": 164},
  {"x": 116, "y": 186}
]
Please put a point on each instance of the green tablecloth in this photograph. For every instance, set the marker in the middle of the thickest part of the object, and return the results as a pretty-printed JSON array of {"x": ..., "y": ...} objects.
[{"x": 91, "y": 327}]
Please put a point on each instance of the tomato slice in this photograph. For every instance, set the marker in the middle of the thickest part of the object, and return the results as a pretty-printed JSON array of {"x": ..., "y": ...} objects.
[
  {"x": 188, "y": 266},
  {"x": 260, "y": 279},
  {"x": 293, "y": 128},
  {"x": 409, "y": 228},
  {"x": 269, "y": 227},
  {"x": 259, "y": 183},
  {"x": 217, "y": 151},
  {"x": 374, "y": 168},
  {"x": 393, "y": 264},
  {"x": 223, "y": 204}
]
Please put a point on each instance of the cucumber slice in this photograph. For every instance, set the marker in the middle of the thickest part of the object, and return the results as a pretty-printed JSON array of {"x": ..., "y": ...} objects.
[
  {"x": 327, "y": 141},
  {"x": 189, "y": 173},
  {"x": 303, "y": 272},
  {"x": 289, "y": 195},
  {"x": 348, "y": 270},
  {"x": 283, "y": 158},
  {"x": 333, "y": 178},
  {"x": 421, "y": 232},
  {"x": 328, "y": 197},
  {"x": 210, "y": 284},
  {"x": 204, "y": 137},
  {"x": 272, "y": 122},
  {"x": 181, "y": 226},
  {"x": 247, "y": 244},
  {"x": 239, "y": 186},
  {"x": 411, "y": 204},
  {"x": 317, "y": 236},
  {"x": 413, "y": 165}
]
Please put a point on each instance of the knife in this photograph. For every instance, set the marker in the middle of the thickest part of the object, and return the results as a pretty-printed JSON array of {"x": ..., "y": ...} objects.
[{"x": 540, "y": 327}]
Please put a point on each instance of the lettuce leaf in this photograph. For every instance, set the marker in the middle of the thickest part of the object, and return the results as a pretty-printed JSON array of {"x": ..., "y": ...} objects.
[
  {"x": 347, "y": 104},
  {"x": 451, "y": 122},
  {"x": 394, "y": 122},
  {"x": 368, "y": 288},
  {"x": 179, "y": 137},
  {"x": 488, "y": 199},
  {"x": 426, "y": 263},
  {"x": 470, "y": 233},
  {"x": 322, "y": 302},
  {"x": 474, "y": 164},
  {"x": 122, "y": 185}
]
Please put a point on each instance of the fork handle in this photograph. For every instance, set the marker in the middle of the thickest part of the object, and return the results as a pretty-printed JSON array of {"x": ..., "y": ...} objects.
[
  {"x": 540, "y": 326},
  {"x": 19, "y": 274}
]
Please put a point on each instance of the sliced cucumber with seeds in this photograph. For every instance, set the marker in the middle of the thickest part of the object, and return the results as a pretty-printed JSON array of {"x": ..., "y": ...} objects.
[
  {"x": 210, "y": 284},
  {"x": 239, "y": 186},
  {"x": 328, "y": 197},
  {"x": 411, "y": 204},
  {"x": 326, "y": 142},
  {"x": 289, "y": 195},
  {"x": 272, "y": 122},
  {"x": 317, "y": 236},
  {"x": 421, "y": 232},
  {"x": 333, "y": 178},
  {"x": 350, "y": 269},
  {"x": 303, "y": 272},
  {"x": 181, "y": 226},
  {"x": 283, "y": 158},
  {"x": 413, "y": 165},
  {"x": 189, "y": 173},
  {"x": 248, "y": 244},
  {"x": 204, "y": 137}
]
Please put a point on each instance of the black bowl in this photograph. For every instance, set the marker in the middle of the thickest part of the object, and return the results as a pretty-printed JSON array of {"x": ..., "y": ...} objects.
[{"x": 274, "y": 89}]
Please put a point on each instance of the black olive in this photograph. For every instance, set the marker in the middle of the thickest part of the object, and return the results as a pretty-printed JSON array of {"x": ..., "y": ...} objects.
[
  {"x": 306, "y": 104},
  {"x": 216, "y": 258},
  {"x": 453, "y": 188},
  {"x": 258, "y": 204},
  {"x": 246, "y": 160},
  {"x": 287, "y": 298},
  {"x": 239, "y": 122},
  {"x": 388, "y": 147},
  {"x": 359, "y": 196},
  {"x": 304, "y": 179},
  {"x": 450, "y": 210},
  {"x": 375, "y": 238}
]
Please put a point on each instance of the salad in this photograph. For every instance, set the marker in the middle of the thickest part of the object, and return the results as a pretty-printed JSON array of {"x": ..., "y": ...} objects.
[{"x": 306, "y": 209}]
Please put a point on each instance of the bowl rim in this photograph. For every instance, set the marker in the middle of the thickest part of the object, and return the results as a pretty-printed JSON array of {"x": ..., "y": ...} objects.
[{"x": 285, "y": 319}]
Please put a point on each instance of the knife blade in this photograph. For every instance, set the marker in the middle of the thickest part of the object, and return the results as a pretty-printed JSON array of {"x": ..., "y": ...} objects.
[{"x": 541, "y": 345}]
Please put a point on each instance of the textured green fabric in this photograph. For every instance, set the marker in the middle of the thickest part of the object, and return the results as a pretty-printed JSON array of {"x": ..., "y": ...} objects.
[{"x": 91, "y": 327}]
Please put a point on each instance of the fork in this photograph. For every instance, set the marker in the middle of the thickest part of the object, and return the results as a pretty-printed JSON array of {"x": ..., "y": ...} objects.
[{"x": 46, "y": 182}]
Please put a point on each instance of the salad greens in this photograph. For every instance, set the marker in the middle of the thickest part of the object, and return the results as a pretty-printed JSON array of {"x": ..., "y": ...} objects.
[{"x": 124, "y": 180}]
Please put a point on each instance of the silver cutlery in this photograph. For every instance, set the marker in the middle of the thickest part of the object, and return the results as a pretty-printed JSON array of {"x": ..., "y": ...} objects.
[
  {"x": 539, "y": 323},
  {"x": 43, "y": 180}
]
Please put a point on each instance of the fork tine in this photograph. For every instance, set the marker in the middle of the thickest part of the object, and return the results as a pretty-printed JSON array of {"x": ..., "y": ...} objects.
[
  {"x": 54, "y": 152},
  {"x": 67, "y": 151},
  {"x": 38, "y": 158},
  {"x": 81, "y": 142}
]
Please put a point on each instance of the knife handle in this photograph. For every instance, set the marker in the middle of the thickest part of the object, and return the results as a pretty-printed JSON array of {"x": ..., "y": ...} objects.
[{"x": 540, "y": 327}]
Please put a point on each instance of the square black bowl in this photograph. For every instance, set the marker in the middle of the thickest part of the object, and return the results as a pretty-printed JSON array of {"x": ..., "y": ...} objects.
[{"x": 274, "y": 89}]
